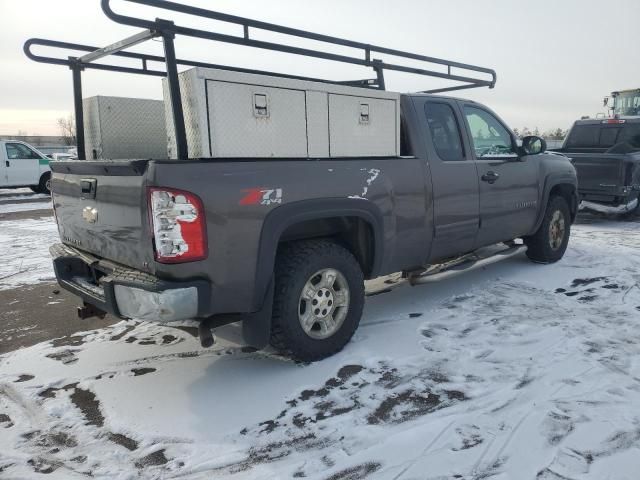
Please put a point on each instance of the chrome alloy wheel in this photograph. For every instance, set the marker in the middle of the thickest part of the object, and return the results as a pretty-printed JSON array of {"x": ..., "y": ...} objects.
[
  {"x": 324, "y": 303},
  {"x": 556, "y": 230}
]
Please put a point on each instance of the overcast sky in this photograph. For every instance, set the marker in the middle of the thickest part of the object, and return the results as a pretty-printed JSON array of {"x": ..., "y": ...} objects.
[{"x": 555, "y": 59}]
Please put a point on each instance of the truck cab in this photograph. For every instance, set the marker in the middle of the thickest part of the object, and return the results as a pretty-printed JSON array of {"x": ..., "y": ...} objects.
[
  {"x": 625, "y": 103},
  {"x": 22, "y": 165}
]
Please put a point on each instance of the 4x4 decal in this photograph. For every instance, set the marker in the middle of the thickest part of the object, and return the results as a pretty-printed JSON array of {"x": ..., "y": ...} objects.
[{"x": 261, "y": 196}]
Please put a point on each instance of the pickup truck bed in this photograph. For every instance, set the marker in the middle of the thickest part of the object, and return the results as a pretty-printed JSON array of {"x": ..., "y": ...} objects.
[{"x": 606, "y": 155}]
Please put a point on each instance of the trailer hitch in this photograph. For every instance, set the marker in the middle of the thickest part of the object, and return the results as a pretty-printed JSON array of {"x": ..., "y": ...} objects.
[{"x": 88, "y": 311}]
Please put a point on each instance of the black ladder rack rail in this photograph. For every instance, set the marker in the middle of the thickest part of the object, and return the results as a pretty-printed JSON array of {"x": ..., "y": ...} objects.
[{"x": 167, "y": 30}]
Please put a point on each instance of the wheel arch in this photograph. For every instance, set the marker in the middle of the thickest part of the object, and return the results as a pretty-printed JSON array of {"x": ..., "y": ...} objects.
[
  {"x": 564, "y": 186},
  {"x": 357, "y": 224}
]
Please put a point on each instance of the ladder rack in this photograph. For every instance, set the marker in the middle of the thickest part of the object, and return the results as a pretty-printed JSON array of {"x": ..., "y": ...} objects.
[{"x": 470, "y": 76}]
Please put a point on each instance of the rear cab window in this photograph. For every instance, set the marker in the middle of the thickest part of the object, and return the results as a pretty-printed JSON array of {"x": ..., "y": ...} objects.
[
  {"x": 604, "y": 136},
  {"x": 445, "y": 131}
]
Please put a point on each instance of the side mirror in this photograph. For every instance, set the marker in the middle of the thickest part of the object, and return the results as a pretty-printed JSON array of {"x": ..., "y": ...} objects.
[
  {"x": 533, "y": 145},
  {"x": 605, "y": 101}
]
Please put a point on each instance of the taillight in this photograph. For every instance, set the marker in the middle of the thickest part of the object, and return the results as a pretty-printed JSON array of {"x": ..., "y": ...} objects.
[{"x": 179, "y": 229}]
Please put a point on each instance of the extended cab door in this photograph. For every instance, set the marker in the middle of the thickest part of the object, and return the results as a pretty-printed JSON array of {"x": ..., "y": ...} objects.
[
  {"x": 453, "y": 175},
  {"x": 509, "y": 182},
  {"x": 22, "y": 164}
]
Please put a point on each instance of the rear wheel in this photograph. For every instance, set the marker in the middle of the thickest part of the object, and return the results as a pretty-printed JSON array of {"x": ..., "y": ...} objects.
[
  {"x": 35, "y": 188},
  {"x": 45, "y": 184},
  {"x": 318, "y": 299},
  {"x": 550, "y": 242}
]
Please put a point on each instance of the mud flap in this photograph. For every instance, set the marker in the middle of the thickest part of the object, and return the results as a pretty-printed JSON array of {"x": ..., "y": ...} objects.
[{"x": 256, "y": 327}]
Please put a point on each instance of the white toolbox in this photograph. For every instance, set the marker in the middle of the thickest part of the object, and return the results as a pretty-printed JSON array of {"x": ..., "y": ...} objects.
[
  {"x": 234, "y": 114},
  {"x": 119, "y": 128}
]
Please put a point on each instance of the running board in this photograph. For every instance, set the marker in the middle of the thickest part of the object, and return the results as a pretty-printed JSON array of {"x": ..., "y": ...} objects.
[{"x": 472, "y": 261}]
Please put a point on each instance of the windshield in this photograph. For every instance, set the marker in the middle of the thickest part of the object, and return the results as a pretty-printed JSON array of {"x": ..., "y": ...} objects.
[{"x": 627, "y": 103}]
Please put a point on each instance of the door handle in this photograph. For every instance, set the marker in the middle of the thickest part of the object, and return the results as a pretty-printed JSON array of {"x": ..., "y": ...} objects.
[
  {"x": 490, "y": 177},
  {"x": 7, "y": 162}
]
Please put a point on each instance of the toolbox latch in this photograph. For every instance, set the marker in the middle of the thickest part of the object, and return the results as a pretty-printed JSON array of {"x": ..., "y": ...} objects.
[
  {"x": 364, "y": 113},
  {"x": 260, "y": 105}
]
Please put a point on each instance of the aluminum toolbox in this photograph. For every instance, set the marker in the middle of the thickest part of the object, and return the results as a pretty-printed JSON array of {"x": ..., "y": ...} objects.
[
  {"x": 234, "y": 114},
  {"x": 118, "y": 128}
]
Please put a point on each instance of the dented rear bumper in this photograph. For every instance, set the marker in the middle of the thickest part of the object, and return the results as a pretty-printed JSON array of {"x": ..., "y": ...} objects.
[{"x": 125, "y": 292}]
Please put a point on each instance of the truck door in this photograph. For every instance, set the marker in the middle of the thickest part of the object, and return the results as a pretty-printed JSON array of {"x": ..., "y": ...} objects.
[
  {"x": 22, "y": 165},
  {"x": 454, "y": 178},
  {"x": 508, "y": 182}
]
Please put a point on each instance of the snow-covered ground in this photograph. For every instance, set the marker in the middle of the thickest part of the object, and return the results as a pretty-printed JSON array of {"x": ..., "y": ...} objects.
[
  {"x": 9, "y": 194},
  {"x": 517, "y": 371},
  {"x": 25, "y": 251},
  {"x": 25, "y": 207}
]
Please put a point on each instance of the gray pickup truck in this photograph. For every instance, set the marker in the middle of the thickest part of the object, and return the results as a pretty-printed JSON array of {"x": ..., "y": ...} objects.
[
  {"x": 284, "y": 244},
  {"x": 606, "y": 154}
]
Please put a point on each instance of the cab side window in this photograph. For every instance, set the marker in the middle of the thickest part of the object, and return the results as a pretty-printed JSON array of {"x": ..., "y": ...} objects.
[
  {"x": 19, "y": 151},
  {"x": 490, "y": 138},
  {"x": 445, "y": 131}
]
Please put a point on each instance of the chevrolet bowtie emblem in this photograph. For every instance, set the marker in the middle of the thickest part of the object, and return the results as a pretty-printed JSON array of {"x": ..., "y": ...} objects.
[{"x": 90, "y": 214}]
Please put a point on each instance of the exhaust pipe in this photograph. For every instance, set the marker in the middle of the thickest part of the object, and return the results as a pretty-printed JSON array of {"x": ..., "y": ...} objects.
[{"x": 205, "y": 334}]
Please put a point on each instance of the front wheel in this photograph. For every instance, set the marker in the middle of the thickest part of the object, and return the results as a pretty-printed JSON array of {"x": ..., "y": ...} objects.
[
  {"x": 550, "y": 242},
  {"x": 318, "y": 299}
]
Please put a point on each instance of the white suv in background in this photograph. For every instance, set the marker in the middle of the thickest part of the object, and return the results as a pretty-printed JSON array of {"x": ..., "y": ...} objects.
[{"x": 21, "y": 165}]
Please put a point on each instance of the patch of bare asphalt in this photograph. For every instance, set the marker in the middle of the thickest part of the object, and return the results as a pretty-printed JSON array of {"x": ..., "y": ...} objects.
[
  {"x": 65, "y": 356},
  {"x": 356, "y": 390},
  {"x": 44, "y": 465},
  {"x": 40, "y": 313},
  {"x": 124, "y": 441},
  {"x": 5, "y": 420},
  {"x": 25, "y": 377},
  {"x": 51, "y": 391},
  {"x": 71, "y": 341},
  {"x": 85, "y": 400},
  {"x": 358, "y": 472},
  {"x": 274, "y": 451},
  {"x": 50, "y": 443},
  {"x": 153, "y": 459},
  {"x": 89, "y": 405},
  {"x": 118, "y": 336},
  {"x": 142, "y": 371}
]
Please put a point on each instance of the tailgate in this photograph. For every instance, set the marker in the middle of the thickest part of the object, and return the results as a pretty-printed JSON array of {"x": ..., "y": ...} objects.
[
  {"x": 101, "y": 208},
  {"x": 599, "y": 172}
]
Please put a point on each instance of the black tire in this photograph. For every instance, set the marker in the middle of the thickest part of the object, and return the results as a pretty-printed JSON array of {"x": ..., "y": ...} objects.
[
  {"x": 35, "y": 188},
  {"x": 45, "y": 184},
  {"x": 296, "y": 265},
  {"x": 541, "y": 248}
]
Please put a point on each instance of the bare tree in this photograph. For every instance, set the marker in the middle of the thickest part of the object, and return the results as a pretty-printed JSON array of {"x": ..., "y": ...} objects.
[{"x": 67, "y": 128}]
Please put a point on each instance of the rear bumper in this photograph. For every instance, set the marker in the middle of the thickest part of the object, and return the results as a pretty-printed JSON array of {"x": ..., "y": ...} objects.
[
  {"x": 125, "y": 292},
  {"x": 612, "y": 195}
]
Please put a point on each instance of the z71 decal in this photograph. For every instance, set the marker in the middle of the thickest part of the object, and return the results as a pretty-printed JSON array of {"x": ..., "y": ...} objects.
[{"x": 261, "y": 196}]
